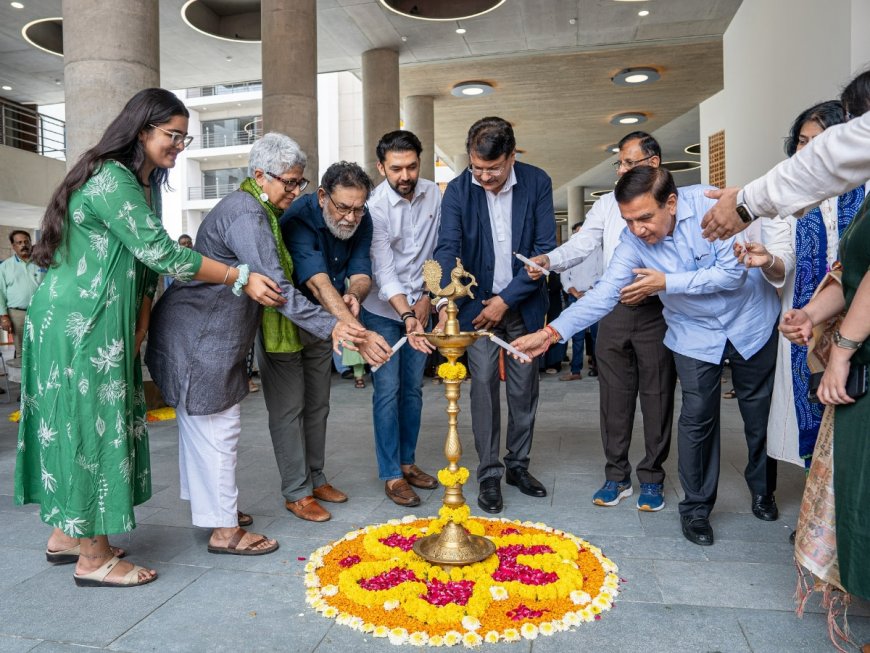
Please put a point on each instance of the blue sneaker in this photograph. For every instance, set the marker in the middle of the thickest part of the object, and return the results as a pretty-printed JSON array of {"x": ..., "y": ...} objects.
[
  {"x": 652, "y": 497},
  {"x": 612, "y": 493}
]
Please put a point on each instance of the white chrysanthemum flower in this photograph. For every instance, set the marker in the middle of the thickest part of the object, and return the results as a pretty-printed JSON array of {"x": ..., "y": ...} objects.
[
  {"x": 393, "y": 522},
  {"x": 579, "y": 597},
  {"x": 470, "y": 623},
  {"x": 407, "y": 519},
  {"x": 491, "y": 637},
  {"x": 436, "y": 640},
  {"x": 546, "y": 629},
  {"x": 312, "y": 580},
  {"x": 601, "y": 602},
  {"x": 451, "y": 638},
  {"x": 471, "y": 640},
  {"x": 329, "y": 590},
  {"x": 586, "y": 614},
  {"x": 529, "y": 631},
  {"x": 343, "y": 618},
  {"x": 571, "y": 619},
  {"x": 309, "y": 567},
  {"x": 398, "y": 636},
  {"x": 511, "y": 635},
  {"x": 389, "y": 606},
  {"x": 368, "y": 627},
  {"x": 380, "y": 631},
  {"x": 330, "y": 612},
  {"x": 418, "y": 638},
  {"x": 498, "y": 592}
]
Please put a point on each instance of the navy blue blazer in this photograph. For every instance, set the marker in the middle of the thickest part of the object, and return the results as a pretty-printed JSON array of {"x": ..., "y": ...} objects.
[{"x": 466, "y": 233}]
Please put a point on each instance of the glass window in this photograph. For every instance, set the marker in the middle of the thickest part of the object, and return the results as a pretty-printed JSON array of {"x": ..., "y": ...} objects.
[
  {"x": 229, "y": 131},
  {"x": 218, "y": 183}
]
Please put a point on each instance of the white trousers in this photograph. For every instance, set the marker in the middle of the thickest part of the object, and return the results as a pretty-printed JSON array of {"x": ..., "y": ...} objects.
[{"x": 207, "y": 455}]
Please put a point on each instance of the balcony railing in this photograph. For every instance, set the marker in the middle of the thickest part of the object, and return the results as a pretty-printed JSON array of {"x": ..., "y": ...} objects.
[
  {"x": 213, "y": 192},
  {"x": 26, "y": 129},
  {"x": 225, "y": 89},
  {"x": 242, "y": 137}
]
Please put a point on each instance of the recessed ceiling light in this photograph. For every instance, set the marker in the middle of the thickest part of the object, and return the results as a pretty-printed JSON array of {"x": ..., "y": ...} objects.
[
  {"x": 643, "y": 12},
  {"x": 681, "y": 166},
  {"x": 17, "y": 5},
  {"x": 635, "y": 76},
  {"x": 472, "y": 89},
  {"x": 613, "y": 148},
  {"x": 599, "y": 193},
  {"x": 404, "y": 39},
  {"x": 6, "y": 87},
  {"x": 629, "y": 118},
  {"x": 460, "y": 30},
  {"x": 693, "y": 149},
  {"x": 229, "y": 58},
  {"x": 572, "y": 21}
]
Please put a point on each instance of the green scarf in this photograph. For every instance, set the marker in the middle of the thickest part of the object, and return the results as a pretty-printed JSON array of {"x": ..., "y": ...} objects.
[{"x": 280, "y": 335}]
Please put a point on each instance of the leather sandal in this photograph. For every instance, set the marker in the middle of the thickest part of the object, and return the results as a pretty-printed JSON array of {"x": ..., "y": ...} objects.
[
  {"x": 401, "y": 493},
  {"x": 232, "y": 547},
  {"x": 245, "y": 519},
  {"x": 308, "y": 509},
  {"x": 97, "y": 578},
  {"x": 68, "y": 556}
]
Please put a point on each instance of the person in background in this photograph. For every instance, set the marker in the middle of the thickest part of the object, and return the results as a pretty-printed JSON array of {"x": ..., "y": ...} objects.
[
  {"x": 19, "y": 279},
  {"x": 185, "y": 241}
]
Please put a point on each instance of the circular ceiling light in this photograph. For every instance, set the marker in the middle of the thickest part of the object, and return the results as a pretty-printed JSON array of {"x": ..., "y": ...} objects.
[
  {"x": 628, "y": 118},
  {"x": 238, "y": 21},
  {"x": 681, "y": 166},
  {"x": 598, "y": 193},
  {"x": 441, "y": 9},
  {"x": 6, "y": 87},
  {"x": 45, "y": 34},
  {"x": 643, "y": 12},
  {"x": 460, "y": 30},
  {"x": 693, "y": 149},
  {"x": 17, "y": 5},
  {"x": 636, "y": 76},
  {"x": 472, "y": 89},
  {"x": 613, "y": 148}
]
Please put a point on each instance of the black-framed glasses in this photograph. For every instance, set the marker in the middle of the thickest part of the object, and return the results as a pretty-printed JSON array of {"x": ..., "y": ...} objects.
[
  {"x": 344, "y": 211},
  {"x": 628, "y": 163},
  {"x": 177, "y": 137},
  {"x": 290, "y": 184}
]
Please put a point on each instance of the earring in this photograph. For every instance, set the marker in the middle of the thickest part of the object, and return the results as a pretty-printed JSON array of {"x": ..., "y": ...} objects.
[{"x": 264, "y": 197}]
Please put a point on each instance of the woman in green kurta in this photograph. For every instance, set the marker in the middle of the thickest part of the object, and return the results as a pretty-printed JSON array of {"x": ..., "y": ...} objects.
[
  {"x": 83, "y": 443},
  {"x": 851, "y": 416}
]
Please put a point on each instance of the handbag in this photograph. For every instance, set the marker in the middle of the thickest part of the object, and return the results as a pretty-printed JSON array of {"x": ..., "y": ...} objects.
[{"x": 856, "y": 383}]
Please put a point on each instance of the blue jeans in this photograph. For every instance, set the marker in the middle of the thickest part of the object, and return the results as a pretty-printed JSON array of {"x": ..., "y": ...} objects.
[
  {"x": 578, "y": 344},
  {"x": 397, "y": 400}
]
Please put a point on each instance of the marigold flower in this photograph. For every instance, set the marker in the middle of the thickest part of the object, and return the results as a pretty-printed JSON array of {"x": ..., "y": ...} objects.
[{"x": 452, "y": 371}]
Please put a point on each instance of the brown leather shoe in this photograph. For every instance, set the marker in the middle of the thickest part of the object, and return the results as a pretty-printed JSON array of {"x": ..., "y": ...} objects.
[
  {"x": 308, "y": 509},
  {"x": 329, "y": 493},
  {"x": 418, "y": 478},
  {"x": 401, "y": 493}
]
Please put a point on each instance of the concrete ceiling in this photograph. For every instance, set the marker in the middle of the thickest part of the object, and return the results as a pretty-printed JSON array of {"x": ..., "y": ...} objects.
[{"x": 552, "y": 77}]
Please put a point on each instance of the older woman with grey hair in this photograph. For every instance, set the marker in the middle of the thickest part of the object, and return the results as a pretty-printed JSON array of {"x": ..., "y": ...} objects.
[{"x": 200, "y": 335}]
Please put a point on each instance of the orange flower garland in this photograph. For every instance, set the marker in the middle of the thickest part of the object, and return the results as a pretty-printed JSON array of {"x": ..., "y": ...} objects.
[{"x": 541, "y": 581}]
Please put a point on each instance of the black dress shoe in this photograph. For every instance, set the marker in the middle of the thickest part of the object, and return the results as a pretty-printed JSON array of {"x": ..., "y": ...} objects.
[
  {"x": 764, "y": 507},
  {"x": 697, "y": 530},
  {"x": 527, "y": 483},
  {"x": 489, "y": 498}
]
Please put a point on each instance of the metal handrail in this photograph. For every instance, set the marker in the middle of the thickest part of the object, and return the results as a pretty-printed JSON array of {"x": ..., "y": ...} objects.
[
  {"x": 211, "y": 192},
  {"x": 26, "y": 129},
  {"x": 241, "y": 137},
  {"x": 225, "y": 89}
]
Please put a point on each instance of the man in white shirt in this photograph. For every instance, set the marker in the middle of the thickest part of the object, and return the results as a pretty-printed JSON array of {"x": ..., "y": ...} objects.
[
  {"x": 576, "y": 281},
  {"x": 406, "y": 215},
  {"x": 630, "y": 351}
]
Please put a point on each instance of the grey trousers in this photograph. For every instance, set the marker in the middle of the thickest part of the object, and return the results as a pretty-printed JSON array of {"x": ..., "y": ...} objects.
[
  {"x": 296, "y": 388},
  {"x": 16, "y": 316},
  {"x": 633, "y": 360},
  {"x": 522, "y": 400},
  {"x": 698, "y": 439}
]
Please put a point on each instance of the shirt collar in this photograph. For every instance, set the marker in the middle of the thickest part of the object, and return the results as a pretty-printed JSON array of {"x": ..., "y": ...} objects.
[{"x": 509, "y": 184}]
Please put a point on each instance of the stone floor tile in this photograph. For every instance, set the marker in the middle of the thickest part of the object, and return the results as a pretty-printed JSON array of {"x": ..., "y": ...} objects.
[{"x": 775, "y": 632}]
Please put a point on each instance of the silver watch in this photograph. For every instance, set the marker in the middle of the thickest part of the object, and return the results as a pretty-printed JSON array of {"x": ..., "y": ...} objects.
[{"x": 845, "y": 343}]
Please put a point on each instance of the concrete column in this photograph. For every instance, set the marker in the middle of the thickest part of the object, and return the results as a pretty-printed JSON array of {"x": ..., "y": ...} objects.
[
  {"x": 460, "y": 163},
  {"x": 289, "y": 54},
  {"x": 576, "y": 207},
  {"x": 111, "y": 52},
  {"x": 380, "y": 88},
  {"x": 420, "y": 119}
]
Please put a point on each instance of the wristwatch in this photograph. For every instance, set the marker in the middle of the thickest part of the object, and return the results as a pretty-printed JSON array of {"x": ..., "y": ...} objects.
[
  {"x": 845, "y": 343},
  {"x": 743, "y": 209}
]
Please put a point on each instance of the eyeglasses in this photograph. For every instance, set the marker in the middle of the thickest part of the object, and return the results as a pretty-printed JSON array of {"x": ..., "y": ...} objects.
[
  {"x": 177, "y": 137},
  {"x": 290, "y": 184},
  {"x": 628, "y": 163},
  {"x": 495, "y": 172},
  {"x": 344, "y": 211}
]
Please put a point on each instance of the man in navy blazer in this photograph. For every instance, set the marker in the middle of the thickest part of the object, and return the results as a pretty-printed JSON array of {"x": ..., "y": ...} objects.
[{"x": 495, "y": 208}]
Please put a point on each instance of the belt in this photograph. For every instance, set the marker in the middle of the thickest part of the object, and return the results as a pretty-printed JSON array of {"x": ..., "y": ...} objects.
[
  {"x": 15, "y": 308},
  {"x": 644, "y": 302}
]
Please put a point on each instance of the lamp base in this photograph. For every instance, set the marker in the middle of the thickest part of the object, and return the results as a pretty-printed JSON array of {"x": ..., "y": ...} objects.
[{"x": 453, "y": 547}]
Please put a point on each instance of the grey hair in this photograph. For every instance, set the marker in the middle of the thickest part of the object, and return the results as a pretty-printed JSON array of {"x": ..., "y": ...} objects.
[{"x": 275, "y": 153}]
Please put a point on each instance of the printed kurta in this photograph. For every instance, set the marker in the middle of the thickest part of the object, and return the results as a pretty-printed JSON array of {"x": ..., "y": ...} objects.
[{"x": 82, "y": 441}]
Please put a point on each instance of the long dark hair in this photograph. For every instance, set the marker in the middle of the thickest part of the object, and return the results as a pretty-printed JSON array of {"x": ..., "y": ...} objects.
[
  {"x": 120, "y": 141},
  {"x": 825, "y": 114}
]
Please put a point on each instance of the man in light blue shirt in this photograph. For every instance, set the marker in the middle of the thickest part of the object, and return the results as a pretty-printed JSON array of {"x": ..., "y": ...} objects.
[
  {"x": 19, "y": 279},
  {"x": 714, "y": 308}
]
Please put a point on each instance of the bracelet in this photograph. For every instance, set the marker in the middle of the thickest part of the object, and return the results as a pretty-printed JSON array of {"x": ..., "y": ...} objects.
[
  {"x": 555, "y": 336},
  {"x": 355, "y": 296},
  {"x": 226, "y": 276},
  {"x": 241, "y": 280},
  {"x": 772, "y": 262},
  {"x": 404, "y": 316}
]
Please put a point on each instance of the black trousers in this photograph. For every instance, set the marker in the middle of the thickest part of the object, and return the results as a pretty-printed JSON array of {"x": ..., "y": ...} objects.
[
  {"x": 698, "y": 441},
  {"x": 632, "y": 359}
]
